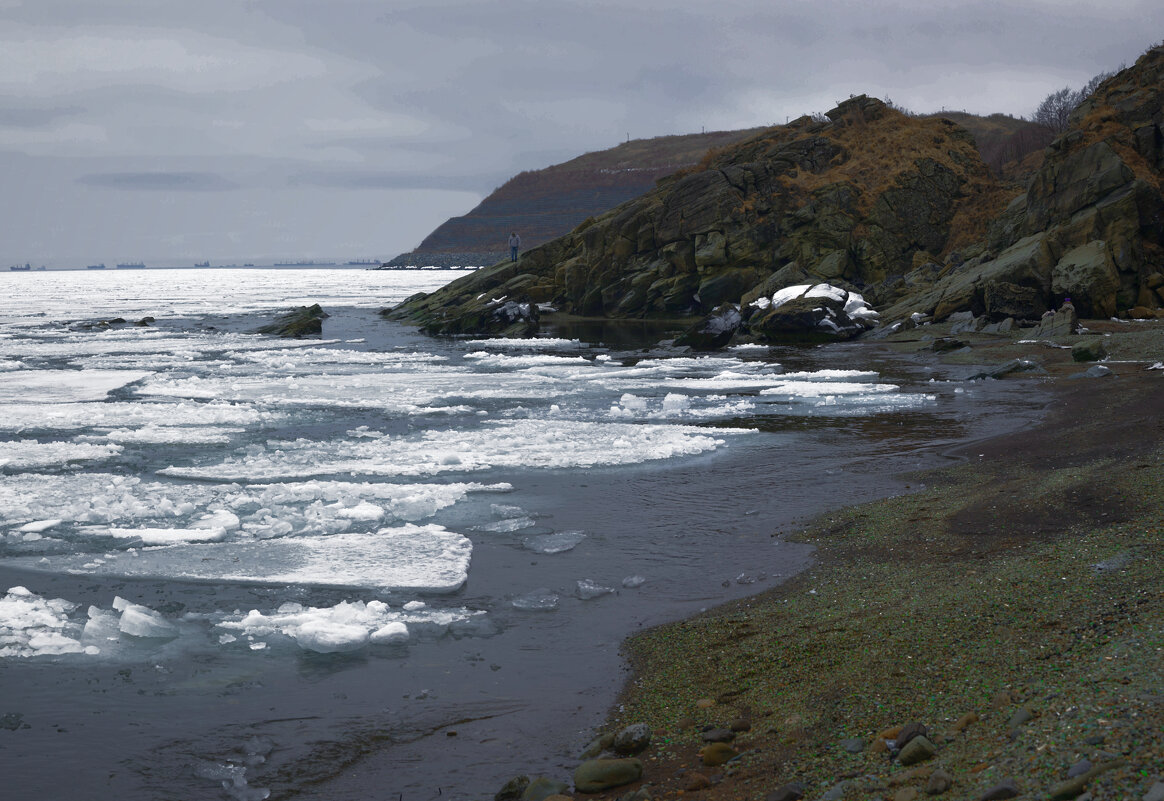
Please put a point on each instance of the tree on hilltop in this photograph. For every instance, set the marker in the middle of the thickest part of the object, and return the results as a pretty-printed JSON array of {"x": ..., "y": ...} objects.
[{"x": 1054, "y": 113}]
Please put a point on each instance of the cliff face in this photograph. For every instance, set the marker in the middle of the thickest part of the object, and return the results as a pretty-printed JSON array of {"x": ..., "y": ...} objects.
[
  {"x": 850, "y": 200},
  {"x": 1090, "y": 226},
  {"x": 544, "y": 204}
]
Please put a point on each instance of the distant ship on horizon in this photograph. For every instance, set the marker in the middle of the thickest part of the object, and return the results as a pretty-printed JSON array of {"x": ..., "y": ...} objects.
[
  {"x": 21, "y": 268},
  {"x": 132, "y": 265},
  {"x": 95, "y": 267},
  {"x": 364, "y": 262},
  {"x": 202, "y": 263},
  {"x": 305, "y": 263}
]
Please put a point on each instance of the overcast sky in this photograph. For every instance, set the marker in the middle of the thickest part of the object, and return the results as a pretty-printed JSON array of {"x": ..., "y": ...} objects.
[{"x": 175, "y": 131}]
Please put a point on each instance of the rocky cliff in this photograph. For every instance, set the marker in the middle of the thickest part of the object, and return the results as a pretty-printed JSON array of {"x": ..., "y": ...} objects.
[
  {"x": 1090, "y": 226},
  {"x": 899, "y": 209}
]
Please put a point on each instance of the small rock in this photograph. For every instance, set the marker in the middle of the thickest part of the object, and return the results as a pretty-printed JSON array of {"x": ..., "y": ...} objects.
[
  {"x": 741, "y": 724},
  {"x": 1079, "y": 768},
  {"x": 1004, "y": 789},
  {"x": 854, "y": 745},
  {"x": 598, "y": 745},
  {"x": 632, "y": 740},
  {"x": 696, "y": 781},
  {"x": 717, "y": 754},
  {"x": 890, "y": 733},
  {"x": 835, "y": 793},
  {"x": 542, "y": 788},
  {"x": 792, "y": 791},
  {"x": 905, "y": 794},
  {"x": 1022, "y": 716},
  {"x": 963, "y": 722},
  {"x": 1001, "y": 700},
  {"x": 879, "y": 746},
  {"x": 596, "y": 775},
  {"x": 683, "y": 724},
  {"x": 718, "y": 736},
  {"x": 1155, "y": 793},
  {"x": 919, "y": 749},
  {"x": 512, "y": 789},
  {"x": 940, "y": 781},
  {"x": 908, "y": 732}
]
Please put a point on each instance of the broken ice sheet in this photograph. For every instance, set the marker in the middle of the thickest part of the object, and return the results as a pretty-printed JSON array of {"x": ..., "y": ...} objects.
[
  {"x": 410, "y": 557},
  {"x": 498, "y": 444},
  {"x": 349, "y": 625}
]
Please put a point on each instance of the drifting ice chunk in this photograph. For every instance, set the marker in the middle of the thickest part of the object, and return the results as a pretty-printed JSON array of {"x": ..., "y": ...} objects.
[
  {"x": 558, "y": 542},
  {"x": 631, "y": 582},
  {"x": 223, "y": 519},
  {"x": 539, "y": 600},
  {"x": 507, "y": 525},
  {"x": 141, "y": 621},
  {"x": 362, "y": 511},
  {"x": 588, "y": 588},
  {"x": 169, "y": 536},
  {"x": 38, "y": 526},
  {"x": 330, "y": 638},
  {"x": 393, "y": 632}
]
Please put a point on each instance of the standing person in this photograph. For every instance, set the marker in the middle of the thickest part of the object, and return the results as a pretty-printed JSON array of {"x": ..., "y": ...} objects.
[{"x": 514, "y": 244}]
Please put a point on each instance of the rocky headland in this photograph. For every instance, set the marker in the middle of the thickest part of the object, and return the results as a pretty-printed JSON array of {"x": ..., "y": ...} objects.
[{"x": 898, "y": 210}]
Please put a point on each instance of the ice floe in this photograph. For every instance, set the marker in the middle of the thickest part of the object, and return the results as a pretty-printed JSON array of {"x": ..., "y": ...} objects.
[
  {"x": 65, "y": 386},
  {"x": 26, "y": 454},
  {"x": 121, "y": 414}
]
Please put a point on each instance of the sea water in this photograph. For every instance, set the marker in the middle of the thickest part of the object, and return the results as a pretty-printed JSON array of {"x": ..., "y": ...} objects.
[{"x": 237, "y": 566}]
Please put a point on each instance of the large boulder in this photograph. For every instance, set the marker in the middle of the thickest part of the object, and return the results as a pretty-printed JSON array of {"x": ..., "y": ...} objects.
[
  {"x": 596, "y": 775},
  {"x": 1088, "y": 276},
  {"x": 810, "y": 313},
  {"x": 297, "y": 323}
]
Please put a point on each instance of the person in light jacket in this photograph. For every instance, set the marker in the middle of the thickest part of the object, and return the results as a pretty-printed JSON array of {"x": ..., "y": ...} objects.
[{"x": 514, "y": 244}]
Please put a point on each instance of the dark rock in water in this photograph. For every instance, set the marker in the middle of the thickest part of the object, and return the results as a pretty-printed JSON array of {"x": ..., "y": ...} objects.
[
  {"x": 1094, "y": 371},
  {"x": 1013, "y": 366},
  {"x": 144, "y": 321},
  {"x": 792, "y": 791},
  {"x": 301, "y": 322},
  {"x": 542, "y": 788},
  {"x": 632, "y": 740},
  {"x": 512, "y": 789},
  {"x": 596, "y": 775},
  {"x": 714, "y": 331}
]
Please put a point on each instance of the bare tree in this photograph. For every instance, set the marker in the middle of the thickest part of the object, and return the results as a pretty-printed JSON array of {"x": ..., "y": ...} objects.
[
  {"x": 1056, "y": 109},
  {"x": 1054, "y": 112}
]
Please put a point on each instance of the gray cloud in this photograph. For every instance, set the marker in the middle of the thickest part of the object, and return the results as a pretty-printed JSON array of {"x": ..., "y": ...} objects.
[
  {"x": 278, "y": 98},
  {"x": 159, "y": 181}
]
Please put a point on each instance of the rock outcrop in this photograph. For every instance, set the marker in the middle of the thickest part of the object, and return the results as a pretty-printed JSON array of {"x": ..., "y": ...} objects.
[
  {"x": 297, "y": 323},
  {"x": 1089, "y": 228},
  {"x": 866, "y": 194}
]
